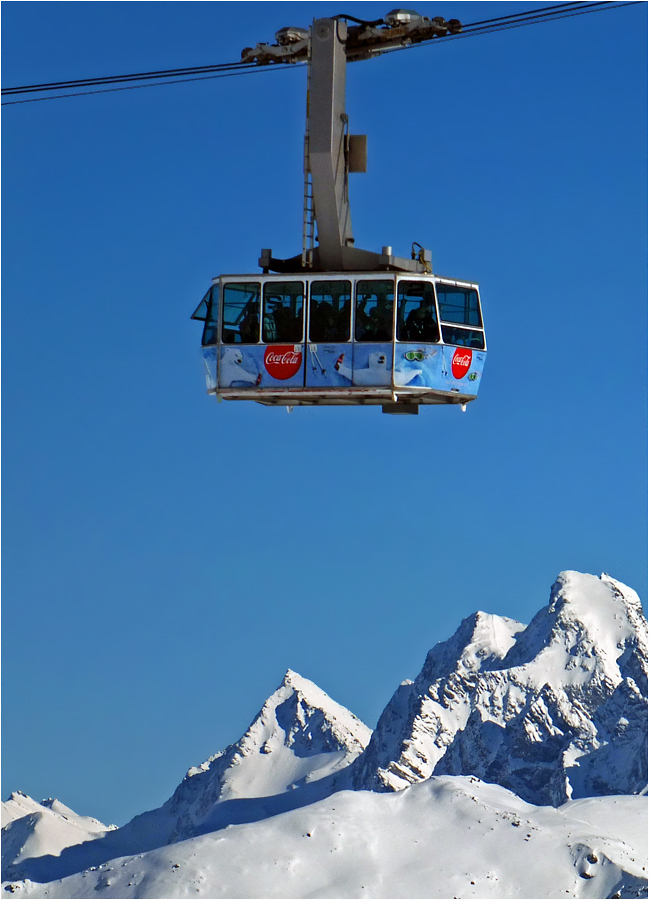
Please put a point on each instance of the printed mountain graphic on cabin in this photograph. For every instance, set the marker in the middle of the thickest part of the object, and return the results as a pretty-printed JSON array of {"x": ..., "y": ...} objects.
[{"x": 543, "y": 727}]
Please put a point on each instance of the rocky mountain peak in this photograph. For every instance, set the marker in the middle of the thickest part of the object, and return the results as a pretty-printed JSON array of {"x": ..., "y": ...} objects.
[
  {"x": 300, "y": 736},
  {"x": 583, "y": 633},
  {"x": 553, "y": 710}
]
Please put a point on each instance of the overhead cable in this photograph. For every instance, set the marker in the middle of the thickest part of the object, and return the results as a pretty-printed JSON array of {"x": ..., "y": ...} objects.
[{"x": 224, "y": 70}]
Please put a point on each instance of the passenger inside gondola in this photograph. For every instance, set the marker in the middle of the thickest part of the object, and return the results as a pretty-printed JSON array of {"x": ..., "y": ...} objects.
[
  {"x": 283, "y": 312},
  {"x": 374, "y": 311},
  {"x": 249, "y": 325},
  {"x": 416, "y": 316},
  {"x": 241, "y": 302},
  {"x": 330, "y": 311}
]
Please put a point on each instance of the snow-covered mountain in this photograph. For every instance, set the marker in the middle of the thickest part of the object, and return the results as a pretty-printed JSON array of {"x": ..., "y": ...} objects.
[
  {"x": 288, "y": 757},
  {"x": 301, "y": 737},
  {"x": 554, "y": 711},
  {"x": 31, "y": 829},
  {"x": 546, "y": 713}
]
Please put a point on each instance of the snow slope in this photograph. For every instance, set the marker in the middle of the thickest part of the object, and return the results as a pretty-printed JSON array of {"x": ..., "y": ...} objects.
[
  {"x": 553, "y": 711},
  {"x": 289, "y": 756},
  {"x": 31, "y": 829},
  {"x": 447, "y": 837}
]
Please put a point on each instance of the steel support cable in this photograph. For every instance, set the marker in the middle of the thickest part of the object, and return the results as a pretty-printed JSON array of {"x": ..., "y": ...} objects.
[
  {"x": 198, "y": 70},
  {"x": 219, "y": 67},
  {"x": 117, "y": 79},
  {"x": 535, "y": 18},
  {"x": 506, "y": 26},
  {"x": 502, "y": 23},
  {"x": 533, "y": 12},
  {"x": 134, "y": 87}
]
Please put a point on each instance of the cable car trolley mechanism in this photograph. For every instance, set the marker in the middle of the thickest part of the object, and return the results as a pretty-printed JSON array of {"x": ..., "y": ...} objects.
[{"x": 337, "y": 325}]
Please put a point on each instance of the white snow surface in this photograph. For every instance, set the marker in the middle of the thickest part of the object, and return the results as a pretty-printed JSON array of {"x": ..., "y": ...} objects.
[
  {"x": 31, "y": 829},
  {"x": 469, "y": 771},
  {"x": 448, "y": 837}
]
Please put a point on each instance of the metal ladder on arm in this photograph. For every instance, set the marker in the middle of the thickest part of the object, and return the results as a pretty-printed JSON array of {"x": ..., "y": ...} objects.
[{"x": 308, "y": 210}]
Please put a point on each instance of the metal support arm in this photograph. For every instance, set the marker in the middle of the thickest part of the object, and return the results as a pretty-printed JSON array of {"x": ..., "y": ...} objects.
[
  {"x": 328, "y": 143},
  {"x": 327, "y": 151}
]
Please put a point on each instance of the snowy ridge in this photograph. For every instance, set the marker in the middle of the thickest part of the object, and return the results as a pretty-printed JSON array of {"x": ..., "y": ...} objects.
[
  {"x": 552, "y": 711},
  {"x": 31, "y": 829},
  {"x": 447, "y": 837},
  {"x": 299, "y": 737}
]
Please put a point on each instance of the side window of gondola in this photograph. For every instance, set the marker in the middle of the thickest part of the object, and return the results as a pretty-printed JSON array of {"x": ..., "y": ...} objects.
[
  {"x": 374, "y": 310},
  {"x": 241, "y": 307},
  {"x": 211, "y": 329},
  {"x": 463, "y": 337},
  {"x": 330, "y": 311},
  {"x": 416, "y": 313},
  {"x": 283, "y": 312},
  {"x": 458, "y": 304}
]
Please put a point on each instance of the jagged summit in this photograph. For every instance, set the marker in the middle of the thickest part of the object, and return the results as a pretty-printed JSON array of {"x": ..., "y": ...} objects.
[
  {"x": 481, "y": 640},
  {"x": 582, "y": 632},
  {"x": 553, "y": 710},
  {"x": 423, "y": 716},
  {"x": 299, "y": 737}
]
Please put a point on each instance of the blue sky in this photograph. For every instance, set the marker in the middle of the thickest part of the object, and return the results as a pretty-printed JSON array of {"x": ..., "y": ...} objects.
[{"x": 167, "y": 558}]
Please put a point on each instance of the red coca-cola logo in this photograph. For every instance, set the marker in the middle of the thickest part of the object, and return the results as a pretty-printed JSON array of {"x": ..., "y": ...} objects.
[
  {"x": 461, "y": 362},
  {"x": 283, "y": 362}
]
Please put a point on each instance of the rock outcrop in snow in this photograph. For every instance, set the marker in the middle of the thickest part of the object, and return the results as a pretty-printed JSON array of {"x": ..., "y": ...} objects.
[{"x": 554, "y": 711}]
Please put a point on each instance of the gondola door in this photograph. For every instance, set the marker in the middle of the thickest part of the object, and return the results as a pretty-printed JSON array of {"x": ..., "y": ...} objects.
[
  {"x": 282, "y": 334},
  {"x": 328, "y": 363},
  {"x": 373, "y": 333}
]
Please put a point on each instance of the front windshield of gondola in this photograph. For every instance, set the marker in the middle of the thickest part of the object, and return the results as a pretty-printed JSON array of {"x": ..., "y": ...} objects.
[
  {"x": 374, "y": 311},
  {"x": 330, "y": 311},
  {"x": 416, "y": 314},
  {"x": 200, "y": 313},
  {"x": 241, "y": 306},
  {"x": 211, "y": 329},
  {"x": 458, "y": 304},
  {"x": 283, "y": 312},
  {"x": 462, "y": 337}
]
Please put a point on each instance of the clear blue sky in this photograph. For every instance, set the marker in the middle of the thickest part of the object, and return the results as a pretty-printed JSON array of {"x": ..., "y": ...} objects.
[{"x": 167, "y": 558}]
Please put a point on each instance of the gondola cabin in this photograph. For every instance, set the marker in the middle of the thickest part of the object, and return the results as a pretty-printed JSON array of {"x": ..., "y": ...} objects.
[{"x": 365, "y": 338}]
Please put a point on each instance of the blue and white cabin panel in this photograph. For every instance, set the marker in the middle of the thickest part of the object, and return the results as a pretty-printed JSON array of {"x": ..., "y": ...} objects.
[{"x": 343, "y": 338}]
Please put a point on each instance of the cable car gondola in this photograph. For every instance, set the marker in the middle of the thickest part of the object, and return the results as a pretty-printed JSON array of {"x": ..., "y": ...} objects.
[{"x": 338, "y": 325}]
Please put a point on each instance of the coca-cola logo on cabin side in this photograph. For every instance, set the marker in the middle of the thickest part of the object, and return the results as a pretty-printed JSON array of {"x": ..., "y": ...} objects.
[
  {"x": 283, "y": 362},
  {"x": 461, "y": 362}
]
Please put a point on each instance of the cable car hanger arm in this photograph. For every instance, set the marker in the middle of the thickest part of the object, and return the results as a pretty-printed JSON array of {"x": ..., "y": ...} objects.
[{"x": 330, "y": 151}]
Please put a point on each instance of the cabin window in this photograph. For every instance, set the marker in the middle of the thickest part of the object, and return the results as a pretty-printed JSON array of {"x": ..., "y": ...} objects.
[
  {"x": 458, "y": 304},
  {"x": 211, "y": 329},
  {"x": 241, "y": 303},
  {"x": 462, "y": 337},
  {"x": 374, "y": 310},
  {"x": 330, "y": 311},
  {"x": 416, "y": 314},
  {"x": 283, "y": 312},
  {"x": 200, "y": 312}
]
